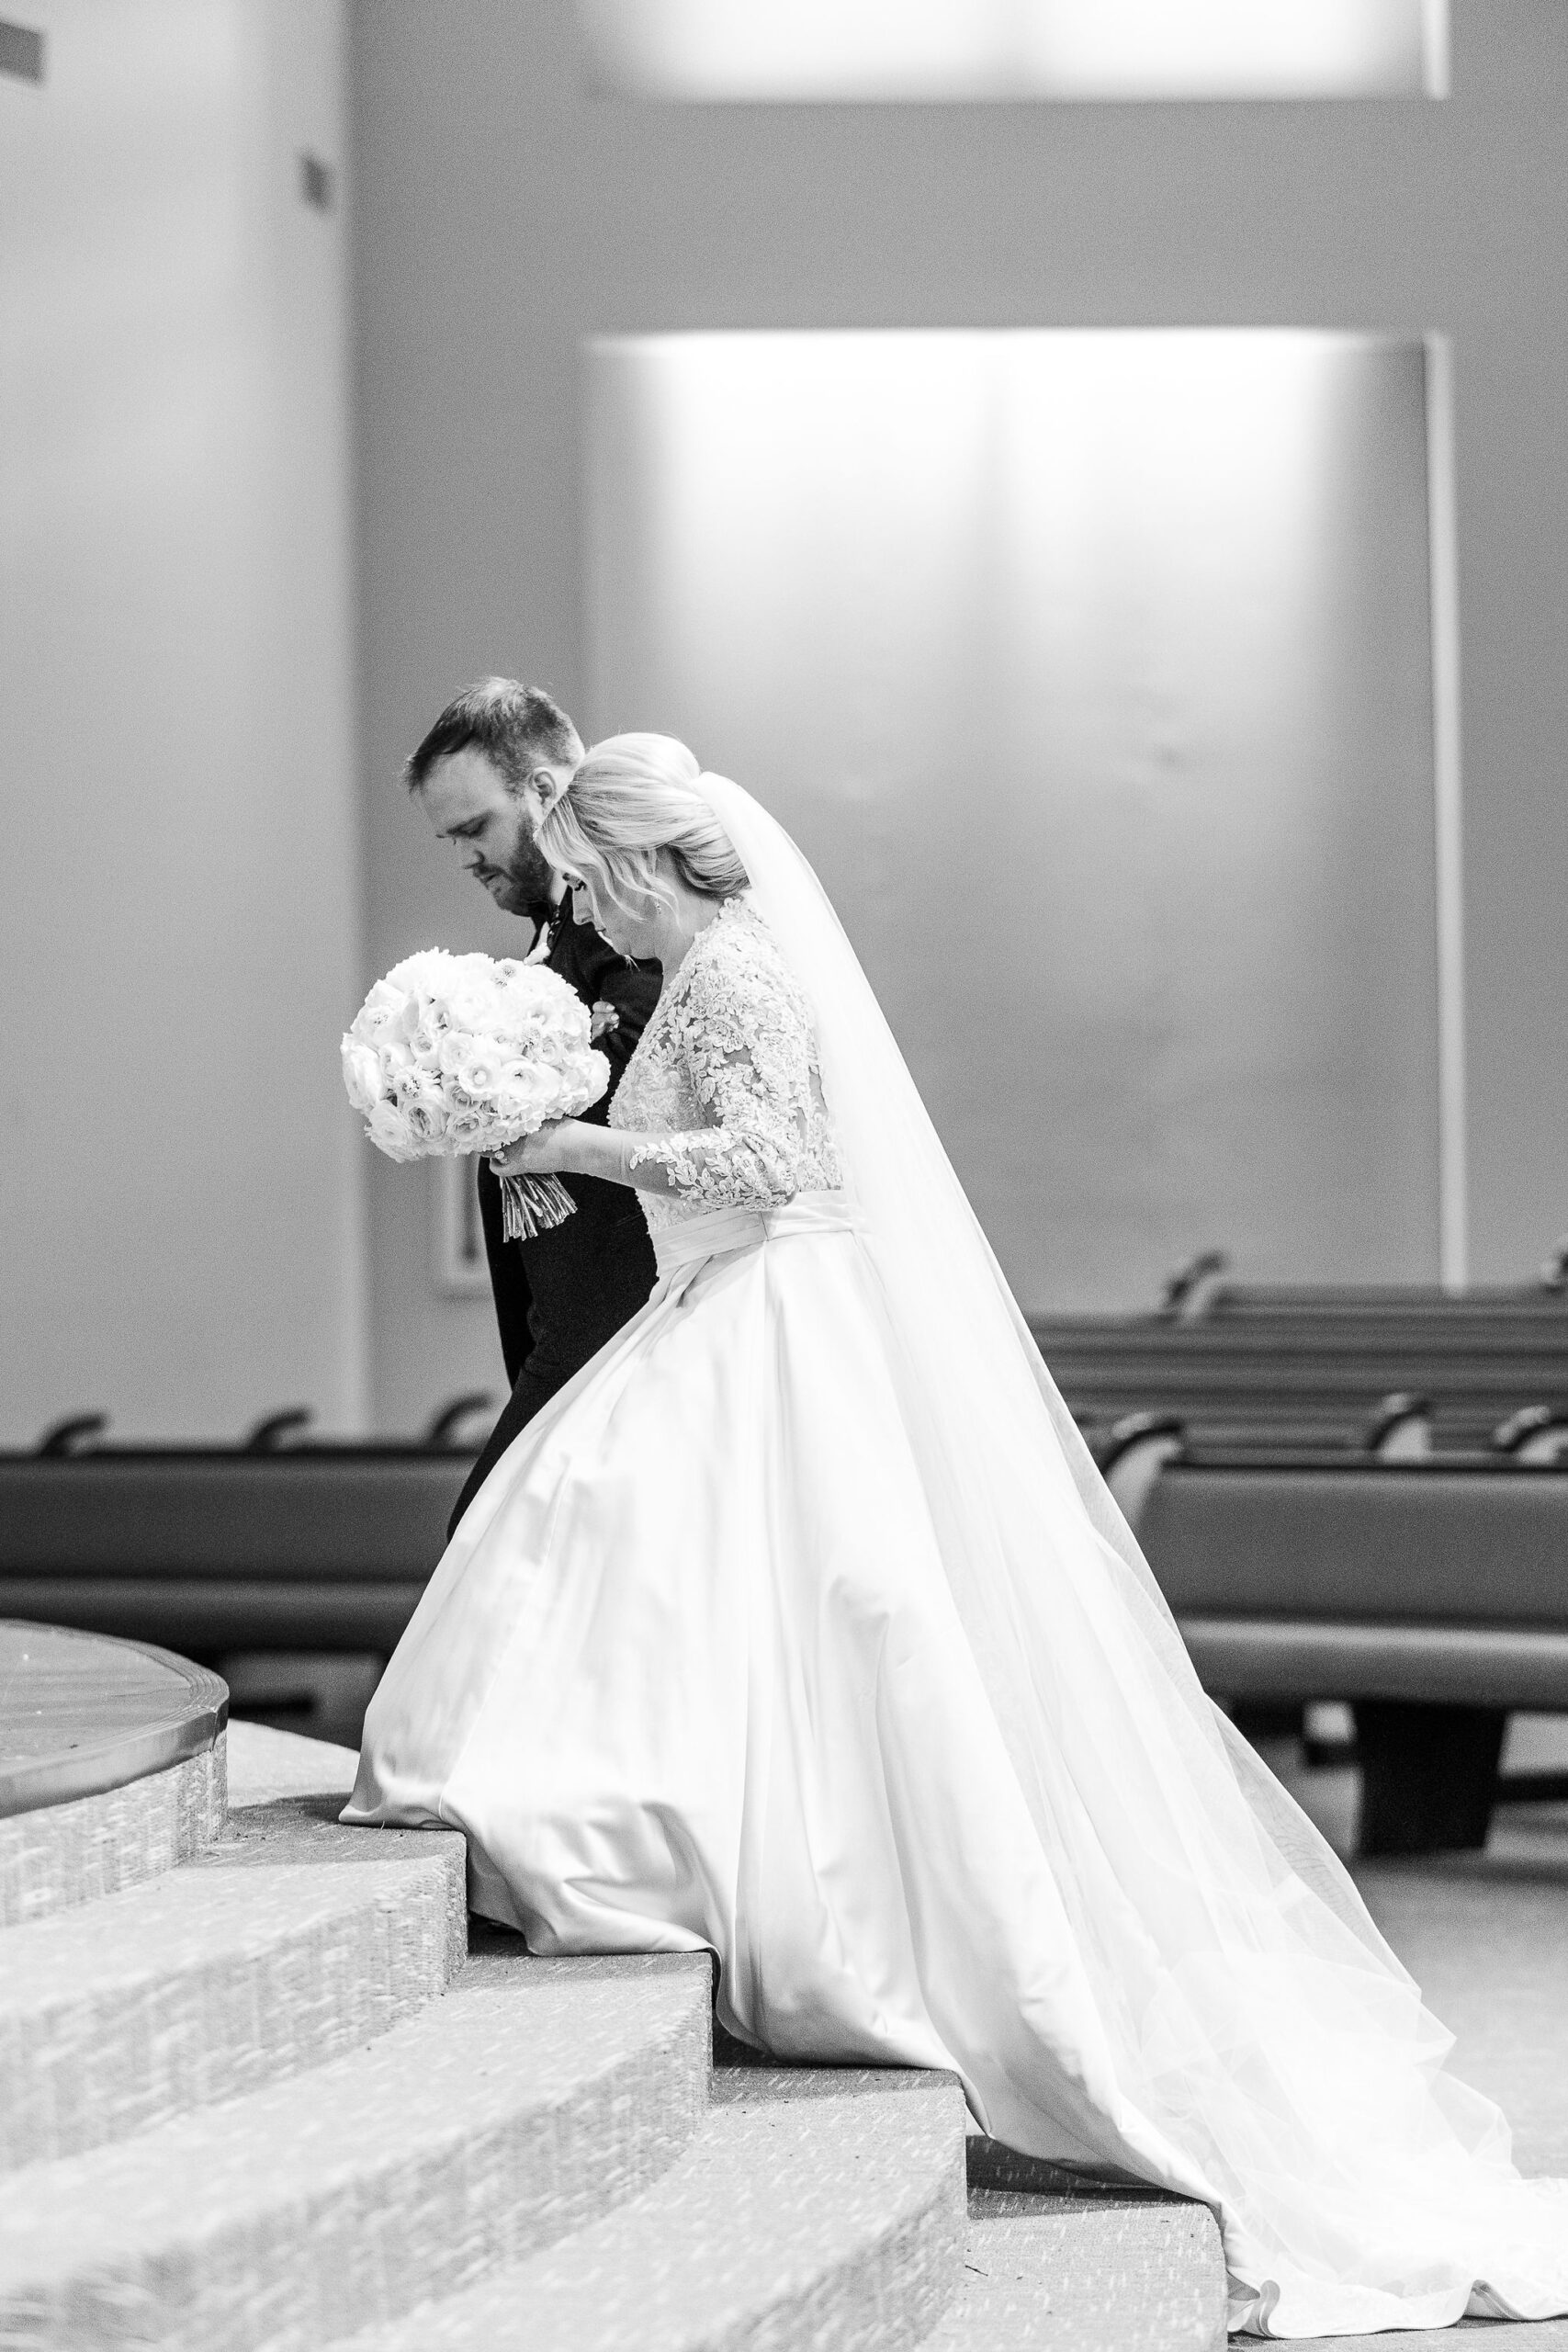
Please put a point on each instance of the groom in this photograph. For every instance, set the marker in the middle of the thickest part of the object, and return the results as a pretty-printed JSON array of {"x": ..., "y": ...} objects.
[{"x": 482, "y": 778}]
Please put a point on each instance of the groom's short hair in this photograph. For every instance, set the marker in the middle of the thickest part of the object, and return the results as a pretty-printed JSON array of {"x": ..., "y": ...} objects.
[{"x": 518, "y": 726}]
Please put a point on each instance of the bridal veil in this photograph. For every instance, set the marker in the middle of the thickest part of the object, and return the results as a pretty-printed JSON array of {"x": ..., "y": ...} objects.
[{"x": 1270, "y": 2054}]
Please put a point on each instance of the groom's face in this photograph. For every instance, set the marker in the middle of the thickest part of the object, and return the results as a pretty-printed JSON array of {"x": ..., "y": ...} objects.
[{"x": 494, "y": 824}]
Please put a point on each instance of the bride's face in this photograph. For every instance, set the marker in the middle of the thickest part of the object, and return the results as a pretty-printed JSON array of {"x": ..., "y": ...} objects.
[{"x": 637, "y": 936}]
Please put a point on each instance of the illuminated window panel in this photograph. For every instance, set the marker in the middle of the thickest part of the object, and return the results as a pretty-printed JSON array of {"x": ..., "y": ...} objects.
[
  {"x": 825, "y": 50},
  {"x": 1094, "y": 672}
]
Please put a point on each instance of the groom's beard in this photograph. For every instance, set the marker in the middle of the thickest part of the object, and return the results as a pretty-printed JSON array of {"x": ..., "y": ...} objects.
[{"x": 525, "y": 885}]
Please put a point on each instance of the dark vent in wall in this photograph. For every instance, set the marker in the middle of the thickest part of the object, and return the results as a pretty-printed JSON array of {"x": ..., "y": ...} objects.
[
  {"x": 316, "y": 182},
  {"x": 21, "y": 51}
]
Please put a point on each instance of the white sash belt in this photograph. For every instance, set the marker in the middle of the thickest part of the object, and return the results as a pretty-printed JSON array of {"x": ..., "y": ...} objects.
[{"x": 719, "y": 1232}]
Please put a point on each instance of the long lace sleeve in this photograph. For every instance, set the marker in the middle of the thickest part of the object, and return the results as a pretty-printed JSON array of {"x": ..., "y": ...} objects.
[{"x": 743, "y": 1031}]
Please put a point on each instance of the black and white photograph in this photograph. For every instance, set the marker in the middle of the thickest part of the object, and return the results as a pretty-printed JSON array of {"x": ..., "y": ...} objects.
[{"x": 783, "y": 1317}]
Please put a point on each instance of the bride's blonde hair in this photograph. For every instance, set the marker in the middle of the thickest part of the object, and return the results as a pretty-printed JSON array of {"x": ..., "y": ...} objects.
[{"x": 629, "y": 797}]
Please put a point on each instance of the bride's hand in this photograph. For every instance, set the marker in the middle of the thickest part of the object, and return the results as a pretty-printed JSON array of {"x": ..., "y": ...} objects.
[{"x": 549, "y": 1153}]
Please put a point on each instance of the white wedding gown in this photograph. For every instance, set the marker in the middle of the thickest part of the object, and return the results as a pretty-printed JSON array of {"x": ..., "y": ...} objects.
[{"x": 799, "y": 1627}]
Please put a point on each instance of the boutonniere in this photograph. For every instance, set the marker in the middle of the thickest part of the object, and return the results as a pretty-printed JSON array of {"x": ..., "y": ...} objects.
[{"x": 541, "y": 947}]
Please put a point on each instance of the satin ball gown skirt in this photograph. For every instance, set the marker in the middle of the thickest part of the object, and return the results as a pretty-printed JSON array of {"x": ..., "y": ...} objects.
[{"x": 691, "y": 1676}]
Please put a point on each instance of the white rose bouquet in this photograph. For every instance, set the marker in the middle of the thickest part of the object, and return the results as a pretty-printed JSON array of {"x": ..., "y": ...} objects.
[{"x": 453, "y": 1054}]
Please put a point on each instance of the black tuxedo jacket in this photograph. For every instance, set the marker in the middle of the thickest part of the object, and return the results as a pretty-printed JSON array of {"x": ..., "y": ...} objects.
[{"x": 561, "y": 1296}]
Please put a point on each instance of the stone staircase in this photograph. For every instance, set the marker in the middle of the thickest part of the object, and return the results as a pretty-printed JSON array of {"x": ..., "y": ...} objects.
[{"x": 272, "y": 2096}]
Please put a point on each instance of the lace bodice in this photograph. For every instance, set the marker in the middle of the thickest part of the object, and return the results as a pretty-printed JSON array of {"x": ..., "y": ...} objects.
[{"x": 726, "y": 1074}]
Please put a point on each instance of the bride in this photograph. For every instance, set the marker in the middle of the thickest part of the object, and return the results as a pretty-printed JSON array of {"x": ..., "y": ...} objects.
[{"x": 800, "y": 1627}]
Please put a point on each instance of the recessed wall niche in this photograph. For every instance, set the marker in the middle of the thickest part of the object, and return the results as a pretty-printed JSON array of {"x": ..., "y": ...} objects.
[
  {"x": 817, "y": 50},
  {"x": 1093, "y": 670}
]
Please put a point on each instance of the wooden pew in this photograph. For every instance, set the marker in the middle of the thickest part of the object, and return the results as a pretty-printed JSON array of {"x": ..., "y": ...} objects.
[
  {"x": 1312, "y": 1370},
  {"x": 1432, "y": 1595},
  {"x": 208, "y": 1550}
]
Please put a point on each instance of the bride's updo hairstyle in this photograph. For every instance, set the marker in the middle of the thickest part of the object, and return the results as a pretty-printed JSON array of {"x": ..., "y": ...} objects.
[{"x": 629, "y": 797}]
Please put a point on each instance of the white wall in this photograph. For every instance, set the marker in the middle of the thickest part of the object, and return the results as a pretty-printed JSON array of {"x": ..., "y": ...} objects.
[
  {"x": 179, "y": 923},
  {"x": 504, "y": 216},
  {"x": 1092, "y": 671}
]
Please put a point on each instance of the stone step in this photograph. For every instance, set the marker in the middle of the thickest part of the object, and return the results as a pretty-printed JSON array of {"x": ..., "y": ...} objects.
[
  {"x": 266, "y": 1764},
  {"x": 208, "y": 1983},
  {"x": 111, "y": 1763},
  {"x": 58, "y": 1856},
  {"x": 1058, "y": 2265},
  {"x": 495, "y": 2121},
  {"x": 306, "y": 1829},
  {"x": 821, "y": 2209}
]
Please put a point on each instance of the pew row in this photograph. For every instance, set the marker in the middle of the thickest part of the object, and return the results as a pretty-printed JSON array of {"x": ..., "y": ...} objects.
[
  {"x": 1430, "y": 1594},
  {"x": 207, "y": 1551},
  {"x": 1435, "y": 1580},
  {"x": 1309, "y": 1380},
  {"x": 1284, "y": 1366},
  {"x": 1329, "y": 1578}
]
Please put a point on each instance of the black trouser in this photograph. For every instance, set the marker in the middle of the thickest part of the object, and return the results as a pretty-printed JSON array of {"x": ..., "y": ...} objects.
[
  {"x": 533, "y": 1390},
  {"x": 558, "y": 1300},
  {"x": 546, "y": 1371}
]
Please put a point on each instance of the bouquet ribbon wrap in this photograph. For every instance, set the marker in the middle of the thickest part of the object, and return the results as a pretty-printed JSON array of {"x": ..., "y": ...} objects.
[{"x": 533, "y": 1204}]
